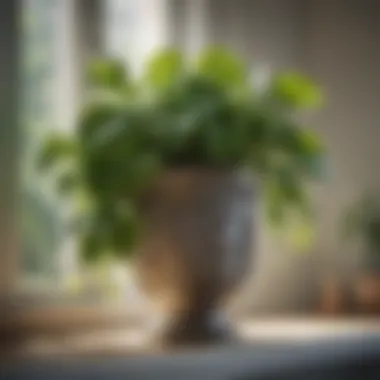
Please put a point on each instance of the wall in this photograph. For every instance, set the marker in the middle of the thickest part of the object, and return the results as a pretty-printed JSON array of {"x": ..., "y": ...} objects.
[
  {"x": 337, "y": 42},
  {"x": 343, "y": 54}
]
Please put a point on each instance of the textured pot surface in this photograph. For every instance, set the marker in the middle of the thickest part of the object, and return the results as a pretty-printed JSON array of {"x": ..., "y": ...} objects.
[{"x": 197, "y": 240}]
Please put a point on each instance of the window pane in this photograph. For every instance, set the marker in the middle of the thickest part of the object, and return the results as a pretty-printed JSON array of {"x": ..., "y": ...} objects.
[
  {"x": 49, "y": 99},
  {"x": 49, "y": 264},
  {"x": 135, "y": 28},
  {"x": 41, "y": 231}
]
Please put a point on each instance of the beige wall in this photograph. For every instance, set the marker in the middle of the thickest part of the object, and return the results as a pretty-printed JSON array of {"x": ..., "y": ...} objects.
[
  {"x": 338, "y": 42},
  {"x": 343, "y": 53}
]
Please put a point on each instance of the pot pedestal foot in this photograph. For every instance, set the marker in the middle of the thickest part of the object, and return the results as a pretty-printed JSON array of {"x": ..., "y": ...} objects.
[{"x": 200, "y": 329}]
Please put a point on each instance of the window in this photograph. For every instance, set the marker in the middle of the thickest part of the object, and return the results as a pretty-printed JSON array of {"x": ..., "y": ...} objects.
[
  {"x": 51, "y": 67},
  {"x": 41, "y": 230},
  {"x": 134, "y": 28}
]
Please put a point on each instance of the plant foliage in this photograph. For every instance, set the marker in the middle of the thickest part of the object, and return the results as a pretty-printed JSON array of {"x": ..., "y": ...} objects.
[
  {"x": 362, "y": 220},
  {"x": 179, "y": 113}
]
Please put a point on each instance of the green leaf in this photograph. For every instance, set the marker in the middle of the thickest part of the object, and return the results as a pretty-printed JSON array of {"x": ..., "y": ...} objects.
[
  {"x": 275, "y": 205},
  {"x": 222, "y": 67},
  {"x": 125, "y": 232},
  {"x": 312, "y": 154},
  {"x": 285, "y": 191},
  {"x": 95, "y": 116},
  {"x": 68, "y": 182},
  {"x": 164, "y": 69},
  {"x": 57, "y": 148},
  {"x": 107, "y": 73},
  {"x": 301, "y": 235},
  {"x": 110, "y": 229},
  {"x": 296, "y": 90},
  {"x": 91, "y": 248},
  {"x": 310, "y": 142}
]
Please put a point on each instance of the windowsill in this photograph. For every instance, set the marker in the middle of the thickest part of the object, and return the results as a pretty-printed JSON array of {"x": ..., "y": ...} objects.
[
  {"x": 27, "y": 319},
  {"x": 113, "y": 335},
  {"x": 49, "y": 310},
  {"x": 23, "y": 323}
]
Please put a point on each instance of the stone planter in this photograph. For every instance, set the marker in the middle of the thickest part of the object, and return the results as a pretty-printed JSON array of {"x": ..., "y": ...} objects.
[{"x": 196, "y": 249}]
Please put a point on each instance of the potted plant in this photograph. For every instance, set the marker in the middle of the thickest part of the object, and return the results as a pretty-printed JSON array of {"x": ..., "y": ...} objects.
[
  {"x": 362, "y": 223},
  {"x": 166, "y": 167}
]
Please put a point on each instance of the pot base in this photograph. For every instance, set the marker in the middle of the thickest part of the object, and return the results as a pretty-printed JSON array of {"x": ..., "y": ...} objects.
[{"x": 206, "y": 328}]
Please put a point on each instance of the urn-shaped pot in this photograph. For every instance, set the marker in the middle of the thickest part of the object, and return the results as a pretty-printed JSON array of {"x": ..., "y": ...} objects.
[{"x": 196, "y": 249}]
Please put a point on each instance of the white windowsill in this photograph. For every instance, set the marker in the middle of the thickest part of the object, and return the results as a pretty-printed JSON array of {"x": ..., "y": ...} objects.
[{"x": 135, "y": 340}]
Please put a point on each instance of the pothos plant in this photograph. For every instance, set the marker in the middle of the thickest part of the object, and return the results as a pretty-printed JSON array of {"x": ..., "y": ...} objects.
[{"x": 204, "y": 112}]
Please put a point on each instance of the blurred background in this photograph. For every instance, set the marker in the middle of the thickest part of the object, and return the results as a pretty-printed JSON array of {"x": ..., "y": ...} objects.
[{"x": 51, "y": 41}]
